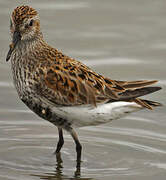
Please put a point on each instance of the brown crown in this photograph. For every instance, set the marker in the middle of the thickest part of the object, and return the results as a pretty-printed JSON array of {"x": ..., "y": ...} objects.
[{"x": 22, "y": 12}]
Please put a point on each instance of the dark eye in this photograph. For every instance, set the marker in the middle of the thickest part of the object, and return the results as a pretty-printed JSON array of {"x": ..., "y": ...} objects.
[{"x": 31, "y": 23}]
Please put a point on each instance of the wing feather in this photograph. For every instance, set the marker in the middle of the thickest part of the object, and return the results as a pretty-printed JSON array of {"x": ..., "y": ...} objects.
[{"x": 72, "y": 83}]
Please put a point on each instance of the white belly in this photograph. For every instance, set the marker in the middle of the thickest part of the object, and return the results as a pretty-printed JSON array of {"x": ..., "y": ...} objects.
[{"x": 80, "y": 116}]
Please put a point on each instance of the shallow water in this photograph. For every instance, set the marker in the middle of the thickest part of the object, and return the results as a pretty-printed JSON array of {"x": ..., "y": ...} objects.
[{"x": 121, "y": 39}]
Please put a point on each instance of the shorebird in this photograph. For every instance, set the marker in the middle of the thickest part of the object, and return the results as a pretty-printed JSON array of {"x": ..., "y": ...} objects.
[{"x": 63, "y": 90}]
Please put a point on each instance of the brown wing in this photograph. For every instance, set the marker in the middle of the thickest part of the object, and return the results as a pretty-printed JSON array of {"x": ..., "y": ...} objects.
[
  {"x": 72, "y": 83},
  {"x": 67, "y": 89}
]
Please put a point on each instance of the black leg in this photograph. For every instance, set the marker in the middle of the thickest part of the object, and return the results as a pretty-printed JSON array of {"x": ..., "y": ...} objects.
[
  {"x": 78, "y": 146},
  {"x": 60, "y": 142}
]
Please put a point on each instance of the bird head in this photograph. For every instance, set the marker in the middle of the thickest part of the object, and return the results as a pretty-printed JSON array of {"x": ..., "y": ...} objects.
[{"x": 24, "y": 26}]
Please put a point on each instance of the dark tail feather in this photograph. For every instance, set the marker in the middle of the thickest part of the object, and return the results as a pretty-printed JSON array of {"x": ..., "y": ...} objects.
[
  {"x": 132, "y": 94},
  {"x": 146, "y": 103},
  {"x": 152, "y": 103}
]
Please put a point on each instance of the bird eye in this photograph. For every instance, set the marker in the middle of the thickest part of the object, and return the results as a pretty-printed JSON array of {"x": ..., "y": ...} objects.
[{"x": 31, "y": 23}]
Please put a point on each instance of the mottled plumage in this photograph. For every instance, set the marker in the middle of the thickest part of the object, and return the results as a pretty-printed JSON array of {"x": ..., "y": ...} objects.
[{"x": 62, "y": 90}]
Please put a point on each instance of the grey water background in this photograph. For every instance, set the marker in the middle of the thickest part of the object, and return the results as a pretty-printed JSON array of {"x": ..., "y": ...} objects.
[{"x": 122, "y": 39}]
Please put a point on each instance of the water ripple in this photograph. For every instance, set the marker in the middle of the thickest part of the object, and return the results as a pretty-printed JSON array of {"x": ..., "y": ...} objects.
[
  {"x": 114, "y": 61},
  {"x": 130, "y": 132},
  {"x": 5, "y": 84},
  {"x": 62, "y": 6}
]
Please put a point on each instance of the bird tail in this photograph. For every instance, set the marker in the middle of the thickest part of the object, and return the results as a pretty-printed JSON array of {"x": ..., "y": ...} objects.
[
  {"x": 147, "y": 103},
  {"x": 133, "y": 95}
]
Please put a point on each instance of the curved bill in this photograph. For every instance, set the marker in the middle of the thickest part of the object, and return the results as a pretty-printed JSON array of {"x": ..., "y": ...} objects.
[{"x": 16, "y": 38}]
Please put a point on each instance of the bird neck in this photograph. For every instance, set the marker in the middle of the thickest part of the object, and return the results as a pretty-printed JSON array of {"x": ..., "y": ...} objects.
[{"x": 29, "y": 45}]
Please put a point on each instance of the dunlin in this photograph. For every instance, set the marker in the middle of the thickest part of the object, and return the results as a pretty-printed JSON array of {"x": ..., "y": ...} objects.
[{"x": 63, "y": 90}]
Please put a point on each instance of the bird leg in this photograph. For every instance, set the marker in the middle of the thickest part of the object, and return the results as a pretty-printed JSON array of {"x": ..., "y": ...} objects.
[
  {"x": 78, "y": 146},
  {"x": 60, "y": 142}
]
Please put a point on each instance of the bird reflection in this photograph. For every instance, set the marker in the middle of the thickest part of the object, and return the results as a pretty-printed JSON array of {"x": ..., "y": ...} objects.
[{"x": 58, "y": 173}]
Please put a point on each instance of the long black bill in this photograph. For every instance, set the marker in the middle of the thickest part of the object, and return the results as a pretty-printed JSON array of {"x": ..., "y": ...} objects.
[{"x": 16, "y": 38}]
